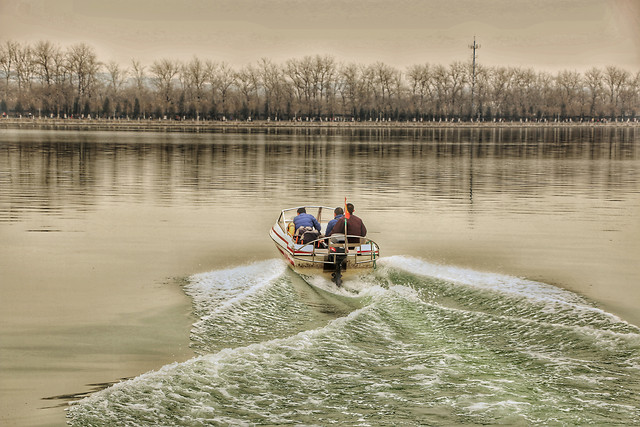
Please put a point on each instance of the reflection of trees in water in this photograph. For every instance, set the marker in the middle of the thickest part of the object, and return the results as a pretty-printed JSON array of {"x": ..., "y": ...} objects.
[{"x": 58, "y": 172}]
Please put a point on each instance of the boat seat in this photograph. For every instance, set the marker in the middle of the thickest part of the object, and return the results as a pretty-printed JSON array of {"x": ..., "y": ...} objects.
[
  {"x": 354, "y": 242},
  {"x": 365, "y": 248}
]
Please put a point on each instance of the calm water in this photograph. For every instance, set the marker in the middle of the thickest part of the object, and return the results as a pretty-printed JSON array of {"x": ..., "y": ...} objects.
[{"x": 507, "y": 292}]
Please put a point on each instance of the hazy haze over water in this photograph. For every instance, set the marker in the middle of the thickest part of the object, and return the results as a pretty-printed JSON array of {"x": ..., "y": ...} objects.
[{"x": 544, "y": 34}]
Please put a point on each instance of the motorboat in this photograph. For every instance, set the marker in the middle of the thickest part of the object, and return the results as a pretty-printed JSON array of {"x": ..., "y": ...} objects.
[{"x": 310, "y": 253}]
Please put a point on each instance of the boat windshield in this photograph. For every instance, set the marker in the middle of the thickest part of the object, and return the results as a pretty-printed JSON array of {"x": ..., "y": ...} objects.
[{"x": 322, "y": 213}]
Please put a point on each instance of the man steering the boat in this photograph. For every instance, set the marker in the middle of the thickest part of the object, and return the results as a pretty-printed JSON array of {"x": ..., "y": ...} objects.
[{"x": 355, "y": 226}]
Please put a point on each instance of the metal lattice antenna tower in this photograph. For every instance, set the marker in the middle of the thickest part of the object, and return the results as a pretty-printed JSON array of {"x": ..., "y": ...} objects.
[{"x": 475, "y": 47}]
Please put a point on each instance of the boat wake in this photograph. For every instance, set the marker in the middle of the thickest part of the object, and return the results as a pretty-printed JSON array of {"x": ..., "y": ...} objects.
[{"x": 412, "y": 342}]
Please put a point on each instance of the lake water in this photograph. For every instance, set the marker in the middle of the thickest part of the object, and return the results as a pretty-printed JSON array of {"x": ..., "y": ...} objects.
[{"x": 507, "y": 292}]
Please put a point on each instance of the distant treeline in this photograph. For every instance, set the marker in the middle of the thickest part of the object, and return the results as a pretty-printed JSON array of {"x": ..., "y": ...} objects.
[{"x": 46, "y": 80}]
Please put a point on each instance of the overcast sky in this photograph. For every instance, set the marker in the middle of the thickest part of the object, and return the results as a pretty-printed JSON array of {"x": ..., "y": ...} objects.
[{"x": 544, "y": 34}]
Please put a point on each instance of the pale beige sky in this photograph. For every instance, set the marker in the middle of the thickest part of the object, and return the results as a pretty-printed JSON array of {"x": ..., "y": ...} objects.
[{"x": 544, "y": 34}]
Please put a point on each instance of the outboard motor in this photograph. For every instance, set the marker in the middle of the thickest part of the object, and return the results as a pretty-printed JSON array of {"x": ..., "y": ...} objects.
[
  {"x": 341, "y": 264},
  {"x": 336, "y": 263}
]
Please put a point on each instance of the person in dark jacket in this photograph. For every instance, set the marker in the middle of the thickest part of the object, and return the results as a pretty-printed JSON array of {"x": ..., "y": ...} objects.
[
  {"x": 303, "y": 219},
  {"x": 338, "y": 213},
  {"x": 355, "y": 226}
]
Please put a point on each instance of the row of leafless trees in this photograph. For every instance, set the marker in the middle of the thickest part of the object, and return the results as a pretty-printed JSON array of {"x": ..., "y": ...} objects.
[{"x": 45, "y": 79}]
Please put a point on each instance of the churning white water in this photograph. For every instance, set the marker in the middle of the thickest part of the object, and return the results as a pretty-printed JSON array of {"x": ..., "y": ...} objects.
[{"x": 419, "y": 344}]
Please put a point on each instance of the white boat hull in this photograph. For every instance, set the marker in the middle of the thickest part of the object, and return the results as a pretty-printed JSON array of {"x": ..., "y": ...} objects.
[{"x": 324, "y": 255}]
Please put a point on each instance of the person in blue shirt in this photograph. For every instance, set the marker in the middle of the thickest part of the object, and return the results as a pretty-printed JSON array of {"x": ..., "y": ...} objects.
[
  {"x": 338, "y": 214},
  {"x": 303, "y": 219}
]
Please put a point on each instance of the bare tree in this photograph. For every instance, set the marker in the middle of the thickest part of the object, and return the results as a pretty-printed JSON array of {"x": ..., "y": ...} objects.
[
  {"x": 224, "y": 78},
  {"x": 457, "y": 78},
  {"x": 499, "y": 88},
  {"x": 44, "y": 56},
  {"x": 614, "y": 79},
  {"x": 569, "y": 84},
  {"x": 300, "y": 72},
  {"x": 628, "y": 94},
  {"x": 324, "y": 73},
  {"x": 275, "y": 88},
  {"x": 139, "y": 89},
  {"x": 366, "y": 92},
  {"x": 441, "y": 86},
  {"x": 48, "y": 62},
  {"x": 384, "y": 79},
  {"x": 483, "y": 75},
  {"x": 62, "y": 88},
  {"x": 117, "y": 76},
  {"x": 7, "y": 62},
  {"x": 421, "y": 87},
  {"x": 83, "y": 65},
  {"x": 163, "y": 72},
  {"x": 593, "y": 82},
  {"x": 248, "y": 81},
  {"x": 194, "y": 77},
  {"x": 24, "y": 67},
  {"x": 636, "y": 91},
  {"x": 523, "y": 83},
  {"x": 350, "y": 86},
  {"x": 137, "y": 71}
]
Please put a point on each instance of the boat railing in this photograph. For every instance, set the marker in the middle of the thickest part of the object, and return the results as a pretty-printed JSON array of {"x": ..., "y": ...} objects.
[{"x": 364, "y": 252}]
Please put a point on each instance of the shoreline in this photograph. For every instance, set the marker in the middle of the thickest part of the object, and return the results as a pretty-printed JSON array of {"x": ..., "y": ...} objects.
[{"x": 148, "y": 125}]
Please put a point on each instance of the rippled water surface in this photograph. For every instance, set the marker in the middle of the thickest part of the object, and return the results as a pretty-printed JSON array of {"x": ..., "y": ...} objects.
[
  {"x": 507, "y": 292},
  {"x": 428, "y": 346}
]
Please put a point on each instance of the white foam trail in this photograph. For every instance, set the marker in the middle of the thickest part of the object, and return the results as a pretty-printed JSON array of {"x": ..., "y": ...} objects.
[
  {"x": 220, "y": 288},
  {"x": 388, "y": 353},
  {"x": 351, "y": 287},
  {"x": 203, "y": 371},
  {"x": 493, "y": 281},
  {"x": 549, "y": 296}
]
